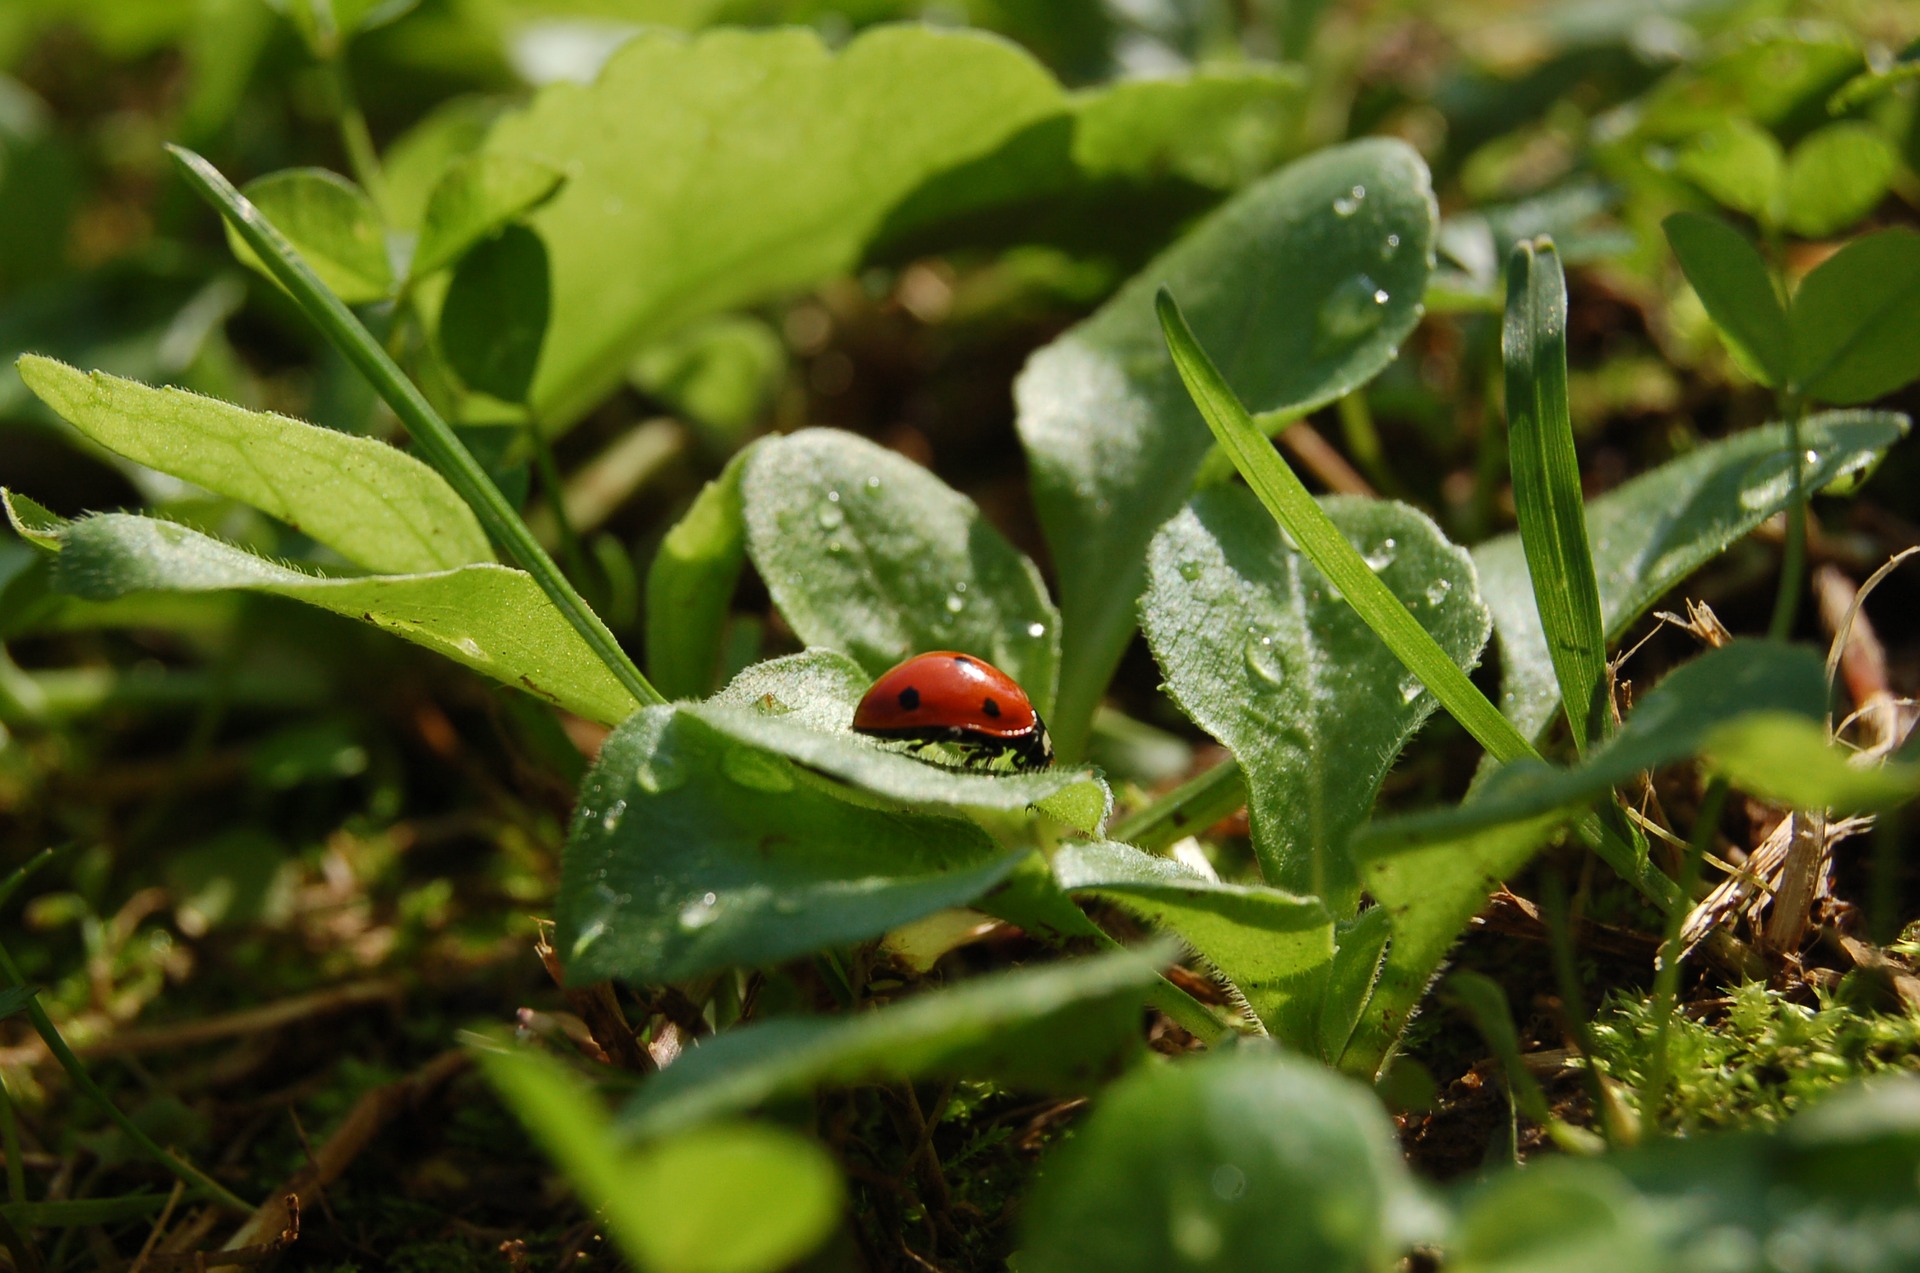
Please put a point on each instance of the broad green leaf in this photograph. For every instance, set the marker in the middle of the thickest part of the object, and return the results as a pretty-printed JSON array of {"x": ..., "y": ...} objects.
[
  {"x": 1274, "y": 948},
  {"x": 1836, "y": 177},
  {"x": 1433, "y": 871},
  {"x": 1559, "y": 1216},
  {"x": 691, "y": 852},
  {"x": 1228, "y": 1162},
  {"x": 1303, "y": 286},
  {"x": 414, "y": 163},
  {"x": 1306, "y": 523},
  {"x": 1734, "y": 284},
  {"x": 1059, "y": 1027},
  {"x": 475, "y": 198},
  {"x": 1261, "y": 653},
  {"x": 1739, "y": 164},
  {"x": 373, "y": 504},
  {"x": 690, "y": 585},
  {"x": 731, "y": 1198},
  {"x": 1546, "y": 484},
  {"x": 1856, "y": 320},
  {"x": 1791, "y": 760},
  {"x": 866, "y": 552},
  {"x": 802, "y": 707},
  {"x": 1654, "y": 531},
  {"x": 490, "y": 618},
  {"x": 494, "y": 317},
  {"x": 331, "y": 223},
  {"x": 708, "y": 173}
]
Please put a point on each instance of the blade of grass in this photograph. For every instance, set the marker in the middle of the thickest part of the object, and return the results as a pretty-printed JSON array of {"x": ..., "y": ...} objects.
[
  {"x": 1281, "y": 490},
  {"x": 434, "y": 437},
  {"x": 1546, "y": 483},
  {"x": 192, "y": 1175}
]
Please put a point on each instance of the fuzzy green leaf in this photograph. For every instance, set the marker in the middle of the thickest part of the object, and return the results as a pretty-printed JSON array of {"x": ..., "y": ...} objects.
[
  {"x": 1546, "y": 483},
  {"x": 802, "y": 708},
  {"x": 1248, "y": 1159},
  {"x": 476, "y": 197},
  {"x": 1263, "y": 655},
  {"x": 1303, "y": 285},
  {"x": 1273, "y": 948},
  {"x": 1856, "y": 320},
  {"x": 331, "y": 223},
  {"x": 868, "y": 553},
  {"x": 490, "y": 618},
  {"x": 691, "y": 852},
  {"x": 1654, "y": 531},
  {"x": 1790, "y": 760},
  {"x": 369, "y": 502},
  {"x": 1059, "y": 1027}
]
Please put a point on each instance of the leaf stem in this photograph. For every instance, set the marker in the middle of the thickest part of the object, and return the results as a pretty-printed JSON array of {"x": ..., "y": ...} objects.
[
  {"x": 355, "y": 136},
  {"x": 186, "y": 1171},
  {"x": 1793, "y": 560},
  {"x": 1666, "y": 977},
  {"x": 1194, "y": 805},
  {"x": 433, "y": 436}
]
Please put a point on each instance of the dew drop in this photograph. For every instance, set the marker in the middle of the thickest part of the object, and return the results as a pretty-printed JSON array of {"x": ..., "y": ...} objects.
[
  {"x": 1437, "y": 591},
  {"x": 698, "y": 914},
  {"x": 1036, "y": 630},
  {"x": 830, "y": 516},
  {"x": 469, "y": 647},
  {"x": 1229, "y": 1182},
  {"x": 1389, "y": 247},
  {"x": 1383, "y": 554},
  {"x": 955, "y": 603},
  {"x": 1348, "y": 204},
  {"x": 1350, "y": 311},
  {"x": 610, "y": 820},
  {"x": 1410, "y": 689},
  {"x": 588, "y": 936},
  {"x": 1263, "y": 660},
  {"x": 756, "y": 769},
  {"x": 1812, "y": 458},
  {"x": 873, "y": 483},
  {"x": 1190, "y": 570}
]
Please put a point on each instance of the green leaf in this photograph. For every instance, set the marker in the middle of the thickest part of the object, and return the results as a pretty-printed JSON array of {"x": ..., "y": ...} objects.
[
  {"x": 1263, "y": 655},
  {"x": 1304, "y": 284},
  {"x": 1359, "y": 948},
  {"x": 1546, "y": 484},
  {"x": 1281, "y": 491},
  {"x": 1274, "y": 948},
  {"x": 1652, "y": 532},
  {"x": 866, "y": 552},
  {"x": 331, "y": 222},
  {"x": 1739, "y": 164},
  {"x": 477, "y": 197},
  {"x": 691, "y": 852},
  {"x": 1559, "y": 1216},
  {"x": 1835, "y": 177},
  {"x": 494, "y": 317},
  {"x": 1433, "y": 871},
  {"x": 1738, "y": 291},
  {"x": 1856, "y": 320},
  {"x": 802, "y": 707},
  {"x": 1246, "y": 1159},
  {"x": 709, "y": 173},
  {"x": 371, "y": 503},
  {"x": 1059, "y": 1027},
  {"x": 490, "y": 618},
  {"x": 690, "y": 585},
  {"x": 720, "y": 375},
  {"x": 1790, "y": 760},
  {"x": 732, "y": 1198}
]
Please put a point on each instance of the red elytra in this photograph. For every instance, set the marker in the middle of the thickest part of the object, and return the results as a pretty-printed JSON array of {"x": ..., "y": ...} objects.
[{"x": 945, "y": 696}]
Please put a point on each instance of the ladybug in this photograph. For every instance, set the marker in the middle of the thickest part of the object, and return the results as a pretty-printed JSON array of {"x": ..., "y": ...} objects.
[{"x": 953, "y": 698}]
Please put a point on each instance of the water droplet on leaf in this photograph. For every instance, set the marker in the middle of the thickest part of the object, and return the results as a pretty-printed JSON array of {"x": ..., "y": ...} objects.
[
  {"x": 1350, "y": 311},
  {"x": 1263, "y": 660}
]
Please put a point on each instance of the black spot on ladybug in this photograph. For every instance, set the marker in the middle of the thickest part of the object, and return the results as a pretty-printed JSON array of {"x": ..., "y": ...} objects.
[
  {"x": 991, "y": 708},
  {"x": 909, "y": 699}
]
